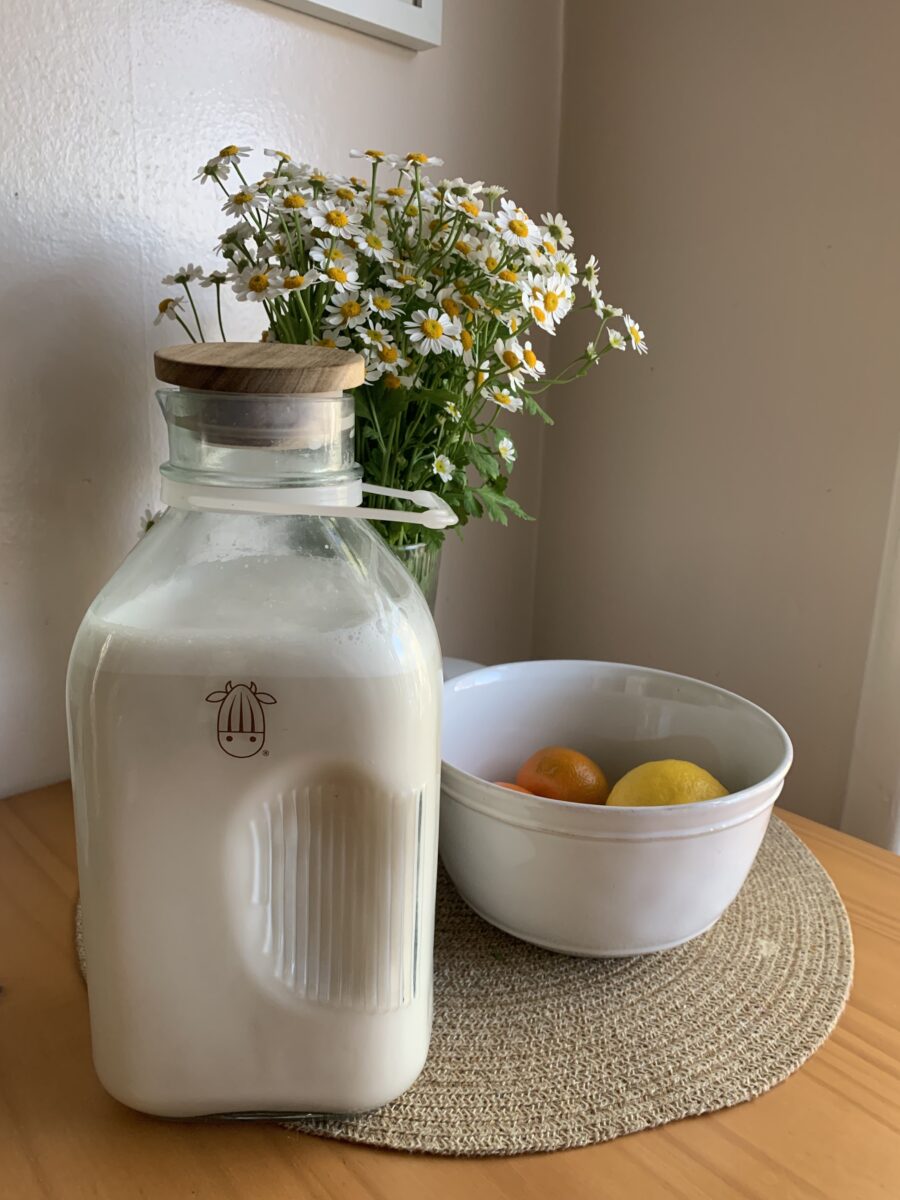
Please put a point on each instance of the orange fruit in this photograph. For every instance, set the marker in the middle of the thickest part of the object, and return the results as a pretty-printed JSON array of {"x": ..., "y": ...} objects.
[
  {"x": 560, "y": 773},
  {"x": 513, "y": 787}
]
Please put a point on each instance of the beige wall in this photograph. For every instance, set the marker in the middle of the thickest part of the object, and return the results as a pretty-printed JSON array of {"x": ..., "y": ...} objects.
[
  {"x": 107, "y": 110},
  {"x": 720, "y": 507}
]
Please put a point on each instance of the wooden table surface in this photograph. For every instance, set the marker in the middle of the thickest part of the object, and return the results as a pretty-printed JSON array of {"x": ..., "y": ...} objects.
[{"x": 831, "y": 1130}]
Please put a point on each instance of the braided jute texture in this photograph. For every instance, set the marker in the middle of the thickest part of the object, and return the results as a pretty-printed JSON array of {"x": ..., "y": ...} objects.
[{"x": 537, "y": 1051}]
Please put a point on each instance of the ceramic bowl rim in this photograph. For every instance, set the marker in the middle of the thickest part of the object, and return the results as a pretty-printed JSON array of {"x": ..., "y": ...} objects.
[{"x": 711, "y": 808}]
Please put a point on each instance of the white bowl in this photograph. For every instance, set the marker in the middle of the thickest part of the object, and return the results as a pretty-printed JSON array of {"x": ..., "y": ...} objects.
[{"x": 587, "y": 879}]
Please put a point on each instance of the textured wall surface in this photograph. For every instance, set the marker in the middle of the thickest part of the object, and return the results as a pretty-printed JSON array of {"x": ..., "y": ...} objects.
[
  {"x": 107, "y": 110},
  {"x": 719, "y": 508}
]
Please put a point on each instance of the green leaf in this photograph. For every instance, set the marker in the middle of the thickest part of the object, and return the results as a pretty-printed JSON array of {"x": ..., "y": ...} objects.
[
  {"x": 532, "y": 406},
  {"x": 484, "y": 461}
]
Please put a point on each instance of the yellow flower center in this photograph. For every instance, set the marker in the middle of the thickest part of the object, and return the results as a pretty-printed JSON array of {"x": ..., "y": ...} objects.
[
  {"x": 293, "y": 281},
  {"x": 517, "y": 227},
  {"x": 242, "y": 197},
  {"x": 327, "y": 341},
  {"x": 165, "y": 305},
  {"x": 404, "y": 278},
  {"x": 550, "y": 247},
  {"x": 551, "y": 301},
  {"x": 295, "y": 200},
  {"x": 338, "y": 274},
  {"x": 318, "y": 177},
  {"x": 388, "y": 354},
  {"x": 467, "y": 340},
  {"x": 258, "y": 282},
  {"x": 383, "y": 303},
  {"x": 509, "y": 276},
  {"x": 480, "y": 377},
  {"x": 396, "y": 191},
  {"x": 417, "y": 157},
  {"x": 502, "y": 398},
  {"x": 345, "y": 193},
  {"x": 470, "y": 301},
  {"x": 335, "y": 217},
  {"x": 411, "y": 210},
  {"x": 636, "y": 334},
  {"x": 373, "y": 240},
  {"x": 357, "y": 182},
  {"x": 227, "y": 151},
  {"x": 463, "y": 247},
  {"x": 391, "y": 381},
  {"x": 511, "y": 359},
  {"x": 431, "y": 328},
  {"x": 284, "y": 157},
  {"x": 530, "y": 358},
  {"x": 350, "y": 309},
  {"x": 379, "y": 154},
  {"x": 450, "y": 307},
  {"x": 470, "y": 207},
  {"x": 492, "y": 263},
  {"x": 539, "y": 315},
  {"x": 513, "y": 324}
]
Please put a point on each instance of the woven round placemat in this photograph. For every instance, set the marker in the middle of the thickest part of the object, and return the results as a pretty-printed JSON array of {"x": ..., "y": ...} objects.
[{"x": 534, "y": 1050}]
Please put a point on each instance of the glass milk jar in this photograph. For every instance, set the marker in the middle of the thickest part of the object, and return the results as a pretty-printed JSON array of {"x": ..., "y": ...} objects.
[{"x": 254, "y": 703}]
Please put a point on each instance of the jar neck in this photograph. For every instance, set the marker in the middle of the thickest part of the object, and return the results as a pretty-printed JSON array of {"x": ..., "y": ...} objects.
[{"x": 231, "y": 440}]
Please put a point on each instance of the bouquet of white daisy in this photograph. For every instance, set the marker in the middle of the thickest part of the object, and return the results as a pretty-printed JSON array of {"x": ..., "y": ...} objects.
[{"x": 440, "y": 286}]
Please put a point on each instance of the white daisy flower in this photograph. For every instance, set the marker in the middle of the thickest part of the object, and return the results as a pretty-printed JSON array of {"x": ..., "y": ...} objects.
[
  {"x": 257, "y": 281},
  {"x": 346, "y": 311},
  {"x": 443, "y": 467},
  {"x": 616, "y": 340},
  {"x": 531, "y": 364},
  {"x": 468, "y": 346},
  {"x": 335, "y": 219},
  {"x": 506, "y": 399},
  {"x": 334, "y": 341},
  {"x": 548, "y": 299},
  {"x": 232, "y": 154},
  {"x": 598, "y": 305},
  {"x": 590, "y": 275},
  {"x": 460, "y": 187},
  {"x": 506, "y": 450},
  {"x": 563, "y": 265},
  {"x": 452, "y": 411},
  {"x": 472, "y": 206},
  {"x": 494, "y": 191},
  {"x": 558, "y": 228},
  {"x": 298, "y": 281},
  {"x": 168, "y": 308},
  {"x": 214, "y": 170},
  {"x": 490, "y": 255},
  {"x": 417, "y": 158},
  {"x": 638, "y": 341},
  {"x": 279, "y": 154},
  {"x": 375, "y": 335},
  {"x": 243, "y": 201},
  {"x": 375, "y": 245},
  {"x": 405, "y": 277},
  {"x": 385, "y": 359},
  {"x": 450, "y": 300},
  {"x": 432, "y": 331},
  {"x": 214, "y": 279},
  {"x": 344, "y": 278},
  {"x": 510, "y": 354},
  {"x": 374, "y": 156},
  {"x": 515, "y": 226},
  {"x": 590, "y": 352},
  {"x": 610, "y": 310},
  {"x": 292, "y": 200},
  {"x": 183, "y": 275},
  {"x": 385, "y": 304},
  {"x": 333, "y": 255}
]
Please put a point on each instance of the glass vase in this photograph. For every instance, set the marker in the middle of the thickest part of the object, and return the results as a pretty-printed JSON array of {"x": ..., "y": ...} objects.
[{"x": 423, "y": 562}]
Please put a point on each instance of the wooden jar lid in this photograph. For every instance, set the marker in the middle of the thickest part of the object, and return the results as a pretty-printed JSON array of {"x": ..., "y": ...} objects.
[{"x": 263, "y": 368}]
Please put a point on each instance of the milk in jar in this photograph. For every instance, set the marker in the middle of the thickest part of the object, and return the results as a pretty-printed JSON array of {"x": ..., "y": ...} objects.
[{"x": 254, "y": 703}]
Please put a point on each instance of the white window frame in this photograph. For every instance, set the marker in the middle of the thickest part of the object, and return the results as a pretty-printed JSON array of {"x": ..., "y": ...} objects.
[{"x": 416, "y": 26}]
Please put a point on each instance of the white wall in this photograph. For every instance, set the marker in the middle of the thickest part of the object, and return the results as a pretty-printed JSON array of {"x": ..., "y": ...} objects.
[
  {"x": 107, "y": 109},
  {"x": 720, "y": 508}
]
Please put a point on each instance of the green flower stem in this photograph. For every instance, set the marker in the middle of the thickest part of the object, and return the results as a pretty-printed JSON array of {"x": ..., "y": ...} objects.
[
  {"x": 194, "y": 310},
  {"x": 219, "y": 311},
  {"x": 184, "y": 327}
]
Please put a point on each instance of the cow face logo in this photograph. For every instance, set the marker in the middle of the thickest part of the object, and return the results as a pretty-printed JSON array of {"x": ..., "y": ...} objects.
[{"x": 241, "y": 724}]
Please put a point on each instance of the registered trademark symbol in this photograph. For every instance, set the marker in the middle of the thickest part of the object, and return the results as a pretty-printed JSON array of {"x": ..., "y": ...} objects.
[{"x": 265, "y": 754}]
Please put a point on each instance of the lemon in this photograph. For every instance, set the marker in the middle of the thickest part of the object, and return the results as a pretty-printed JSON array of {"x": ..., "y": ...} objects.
[{"x": 667, "y": 781}]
